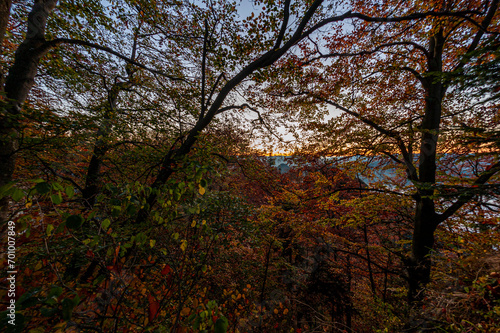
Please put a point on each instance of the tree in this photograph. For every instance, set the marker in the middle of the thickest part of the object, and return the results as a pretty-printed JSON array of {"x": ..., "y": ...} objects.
[
  {"x": 392, "y": 76},
  {"x": 35, "y": 45}
]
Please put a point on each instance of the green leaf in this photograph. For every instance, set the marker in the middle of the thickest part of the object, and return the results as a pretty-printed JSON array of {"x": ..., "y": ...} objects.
[
  {"x": 60, "y": 228},
  {"x": 46, "y": 312},
  {"x": 56, "y": 198},
  {"x": 105, "y": 224},
  {"x": 177, "y": 195},
  {"x": 5, "y": 189},
  {"x": 17, "y": 194},
  {"x": 76, "y": 300},
  {"x": 197, "y": 323},
  {"x": 221, "y": 325},
  {"x": 43, "y": 188},
  {"x": 28, "y": 299},
  {"x": 50, "y": 227},
  {"x": 203, "y": 183},
  {"x": 140, "y": 238},
  {"x": 131, "y": 209},
  {"x": 115, "y": 212},
  {"x": 74, "y": 222},
  {"x": 55, "y": 292},
  {"x": 70, "y": 191},
  {"x": 57, "y": 187},
  {"x": 67, "y": 308}
]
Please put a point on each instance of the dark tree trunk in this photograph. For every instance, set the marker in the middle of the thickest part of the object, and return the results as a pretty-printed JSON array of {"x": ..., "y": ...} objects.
[
  {"x": 92, "y": 180},
  {"x": 369, "y": 263},
  {"x": 426, "y": 219},
  {"x": 91, "y": 188}
]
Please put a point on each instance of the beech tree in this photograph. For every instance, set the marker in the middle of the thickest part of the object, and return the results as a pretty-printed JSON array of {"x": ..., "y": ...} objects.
[{"x": 394, "y": 82}]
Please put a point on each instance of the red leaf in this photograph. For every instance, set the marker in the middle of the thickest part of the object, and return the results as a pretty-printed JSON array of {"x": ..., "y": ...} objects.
[
  {"x": 166, "y": 270},
  {"x": 154, "y": 306}
]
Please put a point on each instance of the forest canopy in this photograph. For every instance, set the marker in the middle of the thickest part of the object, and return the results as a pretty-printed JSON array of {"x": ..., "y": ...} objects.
[{"x": 250, "y": 166}]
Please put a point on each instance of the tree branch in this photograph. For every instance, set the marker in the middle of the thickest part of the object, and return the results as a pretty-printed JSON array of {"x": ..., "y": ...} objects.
[
  {"x": 368, "y": 52},
  {"x": 411, "y": 170},
  {"x": 484, "y": 25},
  {"x": 284, "y": 24},
  {"x": 203, "y": 74},
  {"x": 468, "y": 195},
  {"x": 58, "y": 41},
  {"x": 46, "y": 165},
  {"x": 414, "y": 16}
]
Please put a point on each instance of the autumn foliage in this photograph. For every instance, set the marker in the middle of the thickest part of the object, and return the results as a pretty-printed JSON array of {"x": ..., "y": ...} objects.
[{"x": 264, "y": 166}]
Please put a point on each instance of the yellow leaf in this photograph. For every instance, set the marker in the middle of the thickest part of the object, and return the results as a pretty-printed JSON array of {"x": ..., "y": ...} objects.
[
  {"x": 193, "y": 224},
  {"x": 38, "y": 266},
  {"x": 201, "y": 189},
  {"x": 28, "y": 204},
  {"x": 50, "y": 227},
  {"x": 203, "y": 222},
  {"x": 184, "y": 244},
  {"x": 276, "y": 311},
  {"x": 285, "y": 311}
]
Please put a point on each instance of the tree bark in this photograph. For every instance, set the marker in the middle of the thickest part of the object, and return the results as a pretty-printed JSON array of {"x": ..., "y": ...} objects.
[
  {"x": 18, "y": 84},
  {"x": 93, "y": 177},
  {"x": 426, "y": 220},
  {"x": 4, "y": 21}
]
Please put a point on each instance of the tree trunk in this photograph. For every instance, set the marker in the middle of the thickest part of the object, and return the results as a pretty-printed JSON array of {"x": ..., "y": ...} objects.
[
  {"x": 419, "y": 265},
  {"x": 4, "y": 21},
  {"x": 4, "y": 18},
  {"x": 18, "y": 84},
  {"x": 91, "y": 188},
  {"x": 426, "y": 219},
  {"x": 92, "y": 179}
]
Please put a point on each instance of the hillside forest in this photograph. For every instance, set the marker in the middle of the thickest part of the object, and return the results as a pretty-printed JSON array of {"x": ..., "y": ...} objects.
[{"x": 250, "y": 166}]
